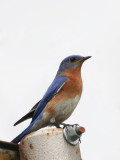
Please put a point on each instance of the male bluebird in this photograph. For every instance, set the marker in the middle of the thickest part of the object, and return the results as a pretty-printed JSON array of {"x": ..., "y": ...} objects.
[{"x": 60, "y": 99}]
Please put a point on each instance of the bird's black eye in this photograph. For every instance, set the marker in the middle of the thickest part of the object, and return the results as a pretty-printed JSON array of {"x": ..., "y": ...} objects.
[{"x": 72, "y": 59}]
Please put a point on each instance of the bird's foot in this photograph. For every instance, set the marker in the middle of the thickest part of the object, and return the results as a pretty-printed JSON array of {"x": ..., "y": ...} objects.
[
  {"x": 58, "y": 125},
  {"x": 65, "y": 125}
]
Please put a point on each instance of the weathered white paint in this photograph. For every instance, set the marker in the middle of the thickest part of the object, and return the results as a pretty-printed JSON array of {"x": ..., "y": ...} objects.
[{"x": 48, "y": 144}]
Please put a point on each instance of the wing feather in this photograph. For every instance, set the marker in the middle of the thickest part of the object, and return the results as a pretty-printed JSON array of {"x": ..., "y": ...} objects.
[
  {"x": 28, "y": 115},
  {"x": 51, "y": 92}
]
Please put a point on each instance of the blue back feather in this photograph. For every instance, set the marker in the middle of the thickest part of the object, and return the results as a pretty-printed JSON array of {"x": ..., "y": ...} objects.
[{"x": 52, "y": 90}]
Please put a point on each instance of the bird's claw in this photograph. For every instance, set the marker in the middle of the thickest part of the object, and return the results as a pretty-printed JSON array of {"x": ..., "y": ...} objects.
[{"x": 63, "y": 124}]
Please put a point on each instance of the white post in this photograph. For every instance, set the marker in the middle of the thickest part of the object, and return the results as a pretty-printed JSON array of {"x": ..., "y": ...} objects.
[{"x": 48, "y": 144}]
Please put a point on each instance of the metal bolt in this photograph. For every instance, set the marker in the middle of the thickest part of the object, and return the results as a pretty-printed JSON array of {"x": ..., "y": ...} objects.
[{"x": 72, "y": 133}]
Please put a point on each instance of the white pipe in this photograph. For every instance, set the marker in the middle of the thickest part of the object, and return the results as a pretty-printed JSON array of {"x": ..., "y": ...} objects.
[{"x": 48, "y": 144}]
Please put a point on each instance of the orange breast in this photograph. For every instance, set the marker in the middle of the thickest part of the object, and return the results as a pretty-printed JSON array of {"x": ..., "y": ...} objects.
[
  {"x": 73, "y": 86},
  {"x": 70, "y": 89}
]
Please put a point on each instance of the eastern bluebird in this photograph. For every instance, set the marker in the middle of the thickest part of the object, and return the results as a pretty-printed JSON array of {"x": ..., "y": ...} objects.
[{"x": 60, "y": 99}]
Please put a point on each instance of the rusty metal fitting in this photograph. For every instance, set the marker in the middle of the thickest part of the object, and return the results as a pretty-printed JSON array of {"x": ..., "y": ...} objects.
[{"x": 72, "y": 133}]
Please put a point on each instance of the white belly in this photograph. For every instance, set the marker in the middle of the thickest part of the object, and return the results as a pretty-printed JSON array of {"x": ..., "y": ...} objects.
[{"x": 65, "y": 109}]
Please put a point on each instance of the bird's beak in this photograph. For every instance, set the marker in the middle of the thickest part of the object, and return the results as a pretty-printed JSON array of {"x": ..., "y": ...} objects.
[{"x": 84, "y": 59}]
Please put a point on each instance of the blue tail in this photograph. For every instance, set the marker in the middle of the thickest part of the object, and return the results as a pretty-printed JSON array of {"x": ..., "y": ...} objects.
[{"x": 20, "y": 136}]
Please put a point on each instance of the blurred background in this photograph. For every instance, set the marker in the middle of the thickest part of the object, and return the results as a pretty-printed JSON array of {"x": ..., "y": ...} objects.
[{"x": 34, "y": 37}]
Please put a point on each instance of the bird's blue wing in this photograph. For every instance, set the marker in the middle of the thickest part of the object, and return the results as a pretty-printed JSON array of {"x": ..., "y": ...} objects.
[
  {"x": 21, "y": 135},
  {"x": 51, "y": 92}
]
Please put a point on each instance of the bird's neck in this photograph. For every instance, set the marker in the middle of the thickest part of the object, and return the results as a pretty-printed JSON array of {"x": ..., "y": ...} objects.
[
  {"x": 73, "y": 72},
  {"x": 68, "y": 72}
]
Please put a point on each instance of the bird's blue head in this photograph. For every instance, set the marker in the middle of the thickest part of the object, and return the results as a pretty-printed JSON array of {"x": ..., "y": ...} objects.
[{"x": 72, "y": 62}]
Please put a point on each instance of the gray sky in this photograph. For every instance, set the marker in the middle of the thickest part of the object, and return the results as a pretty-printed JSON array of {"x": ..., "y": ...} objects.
[{"x": 34, "y": 37}]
